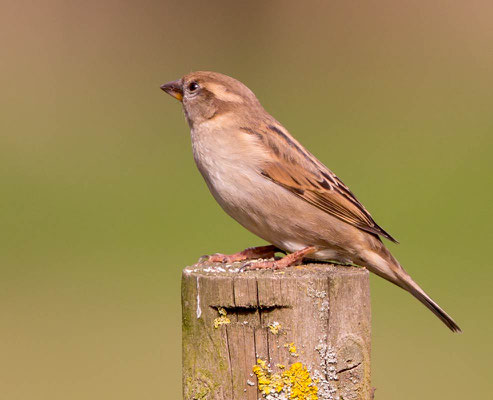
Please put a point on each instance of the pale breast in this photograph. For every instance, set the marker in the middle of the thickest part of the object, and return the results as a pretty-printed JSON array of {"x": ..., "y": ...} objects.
[{"x": 230, "y": 162}]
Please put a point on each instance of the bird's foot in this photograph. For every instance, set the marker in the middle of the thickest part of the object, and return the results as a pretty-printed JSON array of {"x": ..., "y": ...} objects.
[
  {"x": 287, "y": 261},
  {"x": 247, "y": 254}
]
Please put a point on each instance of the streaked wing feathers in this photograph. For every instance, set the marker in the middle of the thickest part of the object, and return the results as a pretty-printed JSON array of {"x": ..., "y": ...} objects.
[{"x": 307, "y": 178}]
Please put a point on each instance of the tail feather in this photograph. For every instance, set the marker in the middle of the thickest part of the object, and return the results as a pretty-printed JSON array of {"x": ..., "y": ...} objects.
[
  {"x": 416, "y": 291},
  {"x": 386, "y": 266}
]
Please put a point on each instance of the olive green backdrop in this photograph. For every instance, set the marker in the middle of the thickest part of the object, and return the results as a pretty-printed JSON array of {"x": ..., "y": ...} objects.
[{"x": 101, "y": 205}]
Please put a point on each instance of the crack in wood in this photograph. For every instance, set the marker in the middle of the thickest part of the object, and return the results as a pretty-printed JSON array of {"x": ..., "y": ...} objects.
[
  {"x": 249, "y": 309},
  {"x": 348, "y": 368},
  {"x": 234, "y": 300},
  {"x": 258, "y": 301},
  {"x": 230, "y": 365},
  {"x": 268, "y": 346}
]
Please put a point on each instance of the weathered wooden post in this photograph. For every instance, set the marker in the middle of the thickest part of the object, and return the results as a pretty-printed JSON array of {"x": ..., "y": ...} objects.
[{"x": 299, "y": 333}]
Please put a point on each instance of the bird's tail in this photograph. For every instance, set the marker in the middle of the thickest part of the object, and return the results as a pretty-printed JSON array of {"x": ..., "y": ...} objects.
[{"x": 386, "y": 266}]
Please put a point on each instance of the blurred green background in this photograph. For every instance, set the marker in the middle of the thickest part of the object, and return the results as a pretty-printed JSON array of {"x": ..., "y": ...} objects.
[{"x": 101, "y": 205}]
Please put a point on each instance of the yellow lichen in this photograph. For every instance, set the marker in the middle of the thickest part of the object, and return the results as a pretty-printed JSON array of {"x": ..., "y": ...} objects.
[
  {"x": 295, "y": 383},
  {"x": 280, "y": 366},
  {"x": 292, "y": 349},
  {"x": 302, "y": 385},
  {"x": 222, "y": 319},
  {"x": 264, "y": 377},
  {"x": 275, "y": 327}
]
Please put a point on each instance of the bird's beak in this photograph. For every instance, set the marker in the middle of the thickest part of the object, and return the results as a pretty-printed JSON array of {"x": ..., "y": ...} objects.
[{"x": 173, "y": 89}]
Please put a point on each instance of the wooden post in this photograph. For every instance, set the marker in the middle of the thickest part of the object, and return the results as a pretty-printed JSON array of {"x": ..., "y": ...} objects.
[{"x": 303, "y": 331}]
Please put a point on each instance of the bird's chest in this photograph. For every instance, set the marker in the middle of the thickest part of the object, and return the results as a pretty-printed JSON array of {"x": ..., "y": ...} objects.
[{"x": 223, "y": 159}]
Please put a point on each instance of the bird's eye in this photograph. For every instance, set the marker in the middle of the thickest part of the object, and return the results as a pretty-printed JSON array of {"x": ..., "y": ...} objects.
[{"x": 193, "y": 86}]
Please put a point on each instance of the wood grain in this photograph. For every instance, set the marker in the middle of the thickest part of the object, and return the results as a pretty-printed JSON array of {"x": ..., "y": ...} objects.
[{"x": 324, "y": 310}]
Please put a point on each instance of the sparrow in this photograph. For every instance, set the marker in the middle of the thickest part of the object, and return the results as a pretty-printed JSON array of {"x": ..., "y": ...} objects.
[{"x": 269, "y": 183}]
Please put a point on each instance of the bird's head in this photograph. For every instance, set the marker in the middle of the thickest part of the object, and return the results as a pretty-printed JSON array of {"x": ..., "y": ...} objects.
[{"x": 206, "y": 95}]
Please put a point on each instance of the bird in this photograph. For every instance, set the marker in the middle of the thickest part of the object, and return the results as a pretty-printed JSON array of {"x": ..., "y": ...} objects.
[{"x": 268, "y": 182}]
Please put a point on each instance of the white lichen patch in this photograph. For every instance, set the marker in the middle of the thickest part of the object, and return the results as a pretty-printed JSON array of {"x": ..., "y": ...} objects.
[
  {"x": 318, "y": 294},
  {"x": 327, "y": 372},
  {"x": 220, "y": 268}
]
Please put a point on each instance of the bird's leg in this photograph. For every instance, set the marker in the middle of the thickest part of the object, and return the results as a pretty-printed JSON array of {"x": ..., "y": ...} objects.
[
  {"x": 250, "y": 253},
  {"x": 287, "y": 261}
]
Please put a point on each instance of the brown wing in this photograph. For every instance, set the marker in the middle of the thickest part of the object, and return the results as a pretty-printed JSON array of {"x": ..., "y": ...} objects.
[{"x": 300, "y": 172}]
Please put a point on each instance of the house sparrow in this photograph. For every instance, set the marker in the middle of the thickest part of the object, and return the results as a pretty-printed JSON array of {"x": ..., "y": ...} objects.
[{"x": 268, "y": 182}]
